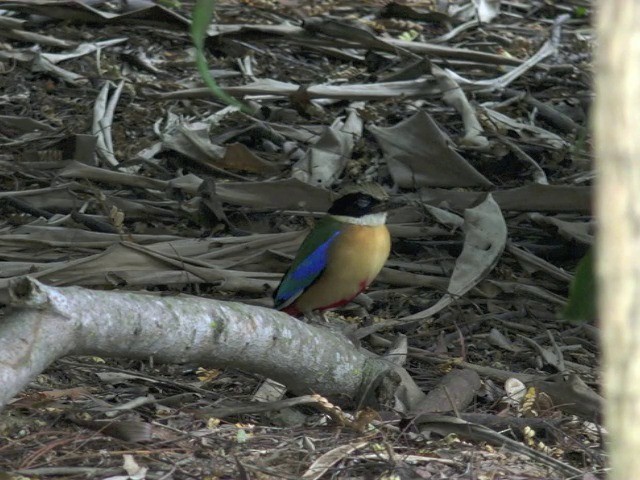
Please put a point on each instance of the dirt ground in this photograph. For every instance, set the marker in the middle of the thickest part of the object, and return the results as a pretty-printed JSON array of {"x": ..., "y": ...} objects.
[{"x": 121, "y": 171}]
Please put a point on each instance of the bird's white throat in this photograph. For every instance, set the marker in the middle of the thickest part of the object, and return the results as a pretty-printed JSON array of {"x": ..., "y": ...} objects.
[{"x": 371, "y": 220}]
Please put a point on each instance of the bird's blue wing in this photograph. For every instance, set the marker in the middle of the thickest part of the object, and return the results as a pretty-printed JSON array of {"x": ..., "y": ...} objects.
[{"x": 309, "y": 263}]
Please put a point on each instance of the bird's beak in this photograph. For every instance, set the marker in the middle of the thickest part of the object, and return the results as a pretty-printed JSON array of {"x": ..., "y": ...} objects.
[
  {"x": 394, "y": 203},
  {"x": 389, "y": 204}
]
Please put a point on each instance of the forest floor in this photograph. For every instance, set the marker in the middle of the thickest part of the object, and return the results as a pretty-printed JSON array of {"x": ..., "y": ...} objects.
[{"x": 110, "y": 142}]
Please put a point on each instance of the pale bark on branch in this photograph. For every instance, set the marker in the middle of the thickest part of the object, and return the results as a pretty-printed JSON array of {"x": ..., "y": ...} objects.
[{"x": 47, "y": 323}]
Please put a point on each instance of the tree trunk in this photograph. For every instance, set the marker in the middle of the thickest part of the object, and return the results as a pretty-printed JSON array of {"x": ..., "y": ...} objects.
[{"x": 617, "y": 140}]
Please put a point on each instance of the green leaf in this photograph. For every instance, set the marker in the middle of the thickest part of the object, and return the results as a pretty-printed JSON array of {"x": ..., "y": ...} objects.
[
  {"x": 202, "y": 16},
  {"x": 580, "y": 11},
  {"x": 582, "y": 292}
]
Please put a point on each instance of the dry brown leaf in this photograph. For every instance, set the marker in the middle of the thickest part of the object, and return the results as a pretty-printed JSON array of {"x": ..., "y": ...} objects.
[{"x": 419, "y": 154}]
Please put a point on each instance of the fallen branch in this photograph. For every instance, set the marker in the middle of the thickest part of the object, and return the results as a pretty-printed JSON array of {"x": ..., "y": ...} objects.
[{"x": 47, "y": 323}]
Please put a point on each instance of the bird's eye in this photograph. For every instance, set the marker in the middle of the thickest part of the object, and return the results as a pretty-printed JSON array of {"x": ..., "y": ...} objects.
[{"x": 363, "y": 202}]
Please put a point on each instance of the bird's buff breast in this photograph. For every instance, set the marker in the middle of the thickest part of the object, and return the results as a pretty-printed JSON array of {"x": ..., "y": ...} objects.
[{"x": 355, "y": 259}]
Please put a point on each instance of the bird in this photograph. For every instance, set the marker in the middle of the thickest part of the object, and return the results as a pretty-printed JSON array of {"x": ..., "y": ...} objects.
[{"x": 341, "y": 255}]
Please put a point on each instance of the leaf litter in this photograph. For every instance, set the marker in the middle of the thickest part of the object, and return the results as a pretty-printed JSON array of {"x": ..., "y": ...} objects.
[{"x": 119, "y": 171}]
